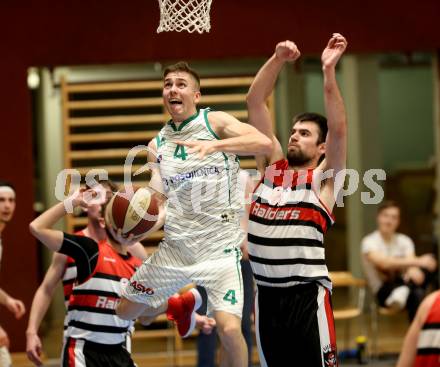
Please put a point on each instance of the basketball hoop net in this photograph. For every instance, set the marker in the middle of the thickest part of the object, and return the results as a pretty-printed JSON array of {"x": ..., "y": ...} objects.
[{"x": 184, "y": 15}]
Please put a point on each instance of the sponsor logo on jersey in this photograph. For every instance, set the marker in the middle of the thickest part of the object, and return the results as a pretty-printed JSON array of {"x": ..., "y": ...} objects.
[
  {"x": 177, "y": 180},
  {"x": 228, "y": 217},
  {"x": 275, "y": 213},
  {"x": 105, "y": 302},
  {"x": 141, "y": 288},
  {"x": 329, "y": 353}
]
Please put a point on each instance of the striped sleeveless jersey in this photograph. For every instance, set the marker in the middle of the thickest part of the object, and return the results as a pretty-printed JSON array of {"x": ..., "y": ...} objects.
[
  {"x": 203, "y": 199},
  {"x": 287, "y": 223},
  {"x": 69, "y": 277},
  {"x": 91, "y": 310},
  {"x": 428, "y": 346}
]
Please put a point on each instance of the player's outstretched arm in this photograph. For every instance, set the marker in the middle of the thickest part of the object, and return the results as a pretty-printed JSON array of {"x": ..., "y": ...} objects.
[
  {"x": 336, "y": 142},
  {"x": 41, "y": 227},
  {"x": 40, "y": 304},
  {"x": 260, "y": 90},
  {"x": 233, "y": 137}
]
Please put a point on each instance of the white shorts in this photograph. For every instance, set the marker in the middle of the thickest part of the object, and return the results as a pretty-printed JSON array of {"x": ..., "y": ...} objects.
[{"x": 165, "y": 272}]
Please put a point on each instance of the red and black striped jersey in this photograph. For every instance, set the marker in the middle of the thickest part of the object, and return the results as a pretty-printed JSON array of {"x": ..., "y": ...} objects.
[
  {"x": 69, "y": 278},
  {"x": 428, "y": 346},
  {"x": 92, "y": 305},
  {"x": 287, "y": 223},
  {"x": 69, "y": 275}
]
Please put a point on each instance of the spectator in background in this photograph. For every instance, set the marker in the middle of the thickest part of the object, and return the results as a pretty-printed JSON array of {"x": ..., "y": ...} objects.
[
  {"x": 396, "y": 275},
  {"x": 7, "y": 208}
]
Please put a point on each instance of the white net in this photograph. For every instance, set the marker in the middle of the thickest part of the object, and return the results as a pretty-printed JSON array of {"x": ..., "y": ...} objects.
[{"x": 184, "y": 15}]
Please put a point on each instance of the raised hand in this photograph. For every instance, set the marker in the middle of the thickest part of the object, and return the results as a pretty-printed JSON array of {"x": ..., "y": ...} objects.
[
  {"x": 334, "y": 50},
  {"x": 287, "y": 51},
  {"x": 82, "y": 198}
]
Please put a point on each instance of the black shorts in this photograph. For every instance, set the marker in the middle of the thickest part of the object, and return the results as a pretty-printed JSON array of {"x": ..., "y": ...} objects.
[
  {"x": 295, "y": 326},
  {"x": 83, "y": 353}
]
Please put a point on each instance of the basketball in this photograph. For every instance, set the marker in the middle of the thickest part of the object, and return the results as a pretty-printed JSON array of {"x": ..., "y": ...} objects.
[{"x": 133, "y": 211}]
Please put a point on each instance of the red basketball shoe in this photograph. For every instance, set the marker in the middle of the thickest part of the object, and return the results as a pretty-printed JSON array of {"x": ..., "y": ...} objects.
[{"x": 182, "y": 310}]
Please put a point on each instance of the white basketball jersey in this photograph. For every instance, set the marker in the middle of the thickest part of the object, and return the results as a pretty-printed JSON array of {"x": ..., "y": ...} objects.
[{"x": 203, "y": 195}]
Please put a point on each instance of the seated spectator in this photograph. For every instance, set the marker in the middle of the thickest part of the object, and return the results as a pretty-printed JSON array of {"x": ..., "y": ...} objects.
[{"x": 395, "y": 274}]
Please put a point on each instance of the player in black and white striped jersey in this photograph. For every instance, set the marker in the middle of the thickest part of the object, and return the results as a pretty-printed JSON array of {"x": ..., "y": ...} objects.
[{"x": 289, "y": 216}]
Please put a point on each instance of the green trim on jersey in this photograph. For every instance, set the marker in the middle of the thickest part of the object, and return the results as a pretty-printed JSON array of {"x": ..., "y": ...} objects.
[
  {"x": 160, "y": 140},
  {"x": 184, "y": 122},
  {"x": 208, "y": 125},
  {"x": 228, "y": 169},
  {"x": 237, "y": 263}
]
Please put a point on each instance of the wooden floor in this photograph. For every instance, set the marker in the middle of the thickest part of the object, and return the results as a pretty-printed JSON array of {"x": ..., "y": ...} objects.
[{"x": 158, "y": 353}]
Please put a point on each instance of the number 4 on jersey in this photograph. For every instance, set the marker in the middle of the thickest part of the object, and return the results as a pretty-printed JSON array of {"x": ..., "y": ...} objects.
[
  {"x": 230, "y": 297},
  {"x": 180, "y": 152}
]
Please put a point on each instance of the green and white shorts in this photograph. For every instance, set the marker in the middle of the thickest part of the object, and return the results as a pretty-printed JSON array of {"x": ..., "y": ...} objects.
[{"x": 166, "y": 271}]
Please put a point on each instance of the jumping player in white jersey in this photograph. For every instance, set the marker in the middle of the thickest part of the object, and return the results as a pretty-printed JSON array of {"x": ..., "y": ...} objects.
[
  {"x": 7, "y": 208},
  {"x": 196, "y": 170},
  {"x": 290, "y": 214}
]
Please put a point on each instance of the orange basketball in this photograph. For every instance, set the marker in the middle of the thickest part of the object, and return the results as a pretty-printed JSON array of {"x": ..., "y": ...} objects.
[{"x": 133, "y": 211}]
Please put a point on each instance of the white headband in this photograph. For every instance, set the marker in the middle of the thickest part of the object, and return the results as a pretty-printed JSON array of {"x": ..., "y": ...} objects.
[{"x": 6, "y": 190}]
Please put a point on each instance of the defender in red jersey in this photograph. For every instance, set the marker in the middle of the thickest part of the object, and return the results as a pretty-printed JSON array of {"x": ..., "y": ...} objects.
[
  {"x": 95, "y": 336},
  {"x": 289, "y": 217},
  {"x": 421, "y": 347},
  {"x": 63, "y": 268}
]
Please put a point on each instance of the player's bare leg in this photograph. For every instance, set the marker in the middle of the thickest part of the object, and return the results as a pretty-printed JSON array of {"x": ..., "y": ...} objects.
[{"x": 229, "y": 330}]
